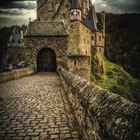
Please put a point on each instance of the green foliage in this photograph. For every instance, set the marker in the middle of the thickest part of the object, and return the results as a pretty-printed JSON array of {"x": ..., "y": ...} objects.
[
  {"x": 96, "y": 70},
  {"x": 123, "y": 41},
  {"x": 120, "y": 82}
]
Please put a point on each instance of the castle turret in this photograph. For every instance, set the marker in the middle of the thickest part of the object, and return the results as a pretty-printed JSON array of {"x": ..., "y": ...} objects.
[
  {"x": 85, "y": 32},
  {"x": 75, "y": 11}
]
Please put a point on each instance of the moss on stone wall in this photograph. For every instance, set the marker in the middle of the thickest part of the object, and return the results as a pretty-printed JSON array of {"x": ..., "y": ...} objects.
[
  {"x": 119, "y": 81},
  {"x": 96, "y": 67},
  {"x": 100, "y": 114}
]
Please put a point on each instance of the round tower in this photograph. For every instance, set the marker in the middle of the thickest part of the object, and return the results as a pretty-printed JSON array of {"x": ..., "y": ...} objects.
[{"x": 75, "y": 11}]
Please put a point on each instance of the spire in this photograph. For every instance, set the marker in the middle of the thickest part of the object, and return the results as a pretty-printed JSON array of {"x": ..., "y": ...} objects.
[
  {"x": 74, "y": 4},
  {"x": 14, "y": 30}
]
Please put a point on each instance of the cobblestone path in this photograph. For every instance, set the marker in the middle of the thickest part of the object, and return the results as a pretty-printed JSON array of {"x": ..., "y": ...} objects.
[{"x": 35, "y": 108}]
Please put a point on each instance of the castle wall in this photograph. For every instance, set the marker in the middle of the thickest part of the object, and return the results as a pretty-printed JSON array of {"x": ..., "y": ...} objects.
[
  {"x": 35, "y": 44},
  {"x": 74, "y": 38},
  {"x": 47, "y": 10},
  {"x": 44, "y": 10},
  {"x": 100, "y": 41},
  {"x": 85, "y": 47},
  {"x": 97, "y": 53},
  {"x": 85, "y": 40},
  {"x": 101, "y": 115},
  {"x": 80, "y": 65},
  {"x": 79, "y": 49},
  {"x": 15, "y": 74},
  {"x": 79, "y": 39}
]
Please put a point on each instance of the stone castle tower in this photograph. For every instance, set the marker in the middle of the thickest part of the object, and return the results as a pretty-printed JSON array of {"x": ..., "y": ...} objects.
[{"x": 66, "y": 33}]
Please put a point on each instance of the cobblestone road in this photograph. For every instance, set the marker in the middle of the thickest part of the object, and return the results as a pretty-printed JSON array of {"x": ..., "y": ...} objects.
[{"x": 35, "y": 108}]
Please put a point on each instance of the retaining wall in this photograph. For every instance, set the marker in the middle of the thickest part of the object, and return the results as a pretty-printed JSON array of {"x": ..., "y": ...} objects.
[
  {"x": 15, "y": 74},
  {"x": 101, "y": 115}
]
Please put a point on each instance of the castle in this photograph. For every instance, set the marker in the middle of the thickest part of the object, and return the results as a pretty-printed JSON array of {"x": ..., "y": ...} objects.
[{"x": 66, "y": 33}]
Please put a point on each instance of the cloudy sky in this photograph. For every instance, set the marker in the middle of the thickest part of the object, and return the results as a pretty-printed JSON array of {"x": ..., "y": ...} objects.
[
  {"x": 16, "y": 12},
  {"x": 19, "y": 11}
]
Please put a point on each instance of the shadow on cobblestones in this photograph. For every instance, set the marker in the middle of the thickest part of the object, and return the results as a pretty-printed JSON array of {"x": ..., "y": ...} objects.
[{"x": 34, "y": 108}]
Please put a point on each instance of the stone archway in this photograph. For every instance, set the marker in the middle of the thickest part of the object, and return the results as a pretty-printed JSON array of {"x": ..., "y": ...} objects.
[{"x": 46, "y": 60}]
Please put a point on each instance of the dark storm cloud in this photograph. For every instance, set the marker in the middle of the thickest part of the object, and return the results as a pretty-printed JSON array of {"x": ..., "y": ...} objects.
[
  {"x": 118, "y": 6},
  {"x": 125, "y": 5},
  {"x": 9, "y": 21},
  {"x": 10, "y": 12},
  {"x": 20, "y": 4},
  {"x": 16, "y": 12}
]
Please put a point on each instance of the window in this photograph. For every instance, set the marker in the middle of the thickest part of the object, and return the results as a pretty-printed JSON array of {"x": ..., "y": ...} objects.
[
  {"x": 72, "y": 26},
  {"x": 92, "y": 37},
  {"x": 100, "y": 38},
  {"x": 89, "y": 61},
  {"x": 74, "y": 62}
]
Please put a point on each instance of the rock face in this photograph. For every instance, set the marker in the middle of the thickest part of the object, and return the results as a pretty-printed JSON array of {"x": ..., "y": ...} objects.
[{"x": 101, "y": 115}]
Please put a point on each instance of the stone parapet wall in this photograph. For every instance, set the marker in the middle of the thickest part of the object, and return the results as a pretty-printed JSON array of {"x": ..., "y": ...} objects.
[
  {"x": 101, "y": 115},
  {"x": 15, "y": 74}
]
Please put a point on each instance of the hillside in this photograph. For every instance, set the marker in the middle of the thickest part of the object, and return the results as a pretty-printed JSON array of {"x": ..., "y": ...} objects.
[
  {"x": 123, "y": 41},
  {"x": 120, "y": 82}
]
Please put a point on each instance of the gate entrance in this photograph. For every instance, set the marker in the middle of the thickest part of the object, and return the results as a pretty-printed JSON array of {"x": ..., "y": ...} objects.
[{"x": 46, "y": 60}]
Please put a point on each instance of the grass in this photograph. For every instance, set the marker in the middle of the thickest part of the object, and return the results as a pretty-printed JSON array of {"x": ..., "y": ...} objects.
[{"x": 120, "y": 82}]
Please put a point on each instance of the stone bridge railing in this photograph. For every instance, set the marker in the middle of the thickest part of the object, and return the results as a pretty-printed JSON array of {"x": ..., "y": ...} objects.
[
  {"x": 101, "y": 115},
  {"x": 15, "y": 74}
]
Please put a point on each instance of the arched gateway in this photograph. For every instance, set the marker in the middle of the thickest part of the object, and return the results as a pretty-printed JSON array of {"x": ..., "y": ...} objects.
[
  {"x": 46, "y": 60},
  {"x": 47, "y": 46}
]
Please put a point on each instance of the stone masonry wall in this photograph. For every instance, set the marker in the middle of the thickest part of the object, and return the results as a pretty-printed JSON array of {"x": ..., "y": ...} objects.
[
  {"x": 79, "y": 39},
  {"x": 97, "y": 55},
  {"x": 80, "y": 65},
  {"x": 15, "y": 74},
  {"x": 74, "y": 38},
  {"x": 35, "y": 44},
  {"x": 79, "y": 49},
  {"x": 85, "y": 40},
  {"x": 101, "y": 115}
]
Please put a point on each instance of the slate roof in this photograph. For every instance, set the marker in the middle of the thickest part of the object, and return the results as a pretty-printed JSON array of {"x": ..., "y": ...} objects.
[
  {"x": 74, "y": 4},
  {"x": 39, "y": 28},
  {"x": 92, "y": 20}
]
